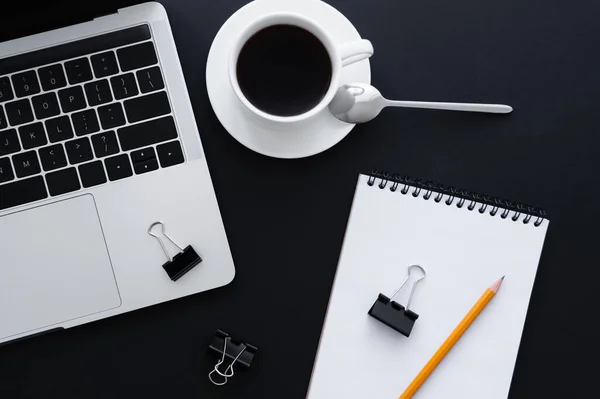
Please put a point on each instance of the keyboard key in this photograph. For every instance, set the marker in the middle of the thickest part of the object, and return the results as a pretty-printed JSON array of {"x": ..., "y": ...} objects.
[
  {"x": 104, "y": 64},
  {"x": 150, "y": 79},
  {"x": 3, "y": 121},
  {"x": 45, "y": 105},
  {"x": 144, "y": 167},
  {"x": 78, "y": 48},
  {"x": 72, "y": 99},
  {"x": 105, "y": 144},
  {"x": 124, "y": 86},
  {"x": 6, "y": 172},
  {"x": 82, "y": 47},
  {"x": 170, "y": 154},
  {"x": 150, "y": 106},
  {"x": 85, "y": 122},
  {"x": 6, "y": 93},
  {"x": 26, "y": 164},
  {"x": 92, "y": 174},
  {"x": 118, "y": 167},
  {"x": 59, "y": 129},
  {"x": 53, "y": 157},
  {"x": 137, "y": 56},
  {"x": 19, "y": 112},
  {"x": 143, "y": 155},
  {"x": 98, "y": 92},
  {"x": 144, "y": 160},
  {"x": 22, "y": 192},
  {"x": 111, "y": 115},
  {"x": 78, "y": 70},
  {"x": 25, "y": 83},
  {"x": 9, "y": 142},
  {"x": 147, "y": 133},
  {"x": 63, "y": 181},
  {"x": 52, "y": 77},
  {"x": 79, "y": 150},
  {"x": 33, "y": 135}
]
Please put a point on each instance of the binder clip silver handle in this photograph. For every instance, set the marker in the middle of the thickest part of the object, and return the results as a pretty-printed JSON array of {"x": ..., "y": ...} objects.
[
  {"x": 229, "y": 370},
  {"x": 412, "y": 289},
  {"x": 160, "y": 241}
]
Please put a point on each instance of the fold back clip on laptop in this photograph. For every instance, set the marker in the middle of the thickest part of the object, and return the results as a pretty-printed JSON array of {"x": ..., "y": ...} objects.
[{"x": 177, "y": 266}]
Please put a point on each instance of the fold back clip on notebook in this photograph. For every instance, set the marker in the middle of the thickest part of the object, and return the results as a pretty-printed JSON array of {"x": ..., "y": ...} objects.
[
  {"x": 235, "y": 352},
  {"x": 394, "y": 315},
  {"x": 181, "y": 263}
]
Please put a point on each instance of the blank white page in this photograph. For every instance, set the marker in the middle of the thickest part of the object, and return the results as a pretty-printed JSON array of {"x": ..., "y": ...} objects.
[{"x": 463, "y": 253}]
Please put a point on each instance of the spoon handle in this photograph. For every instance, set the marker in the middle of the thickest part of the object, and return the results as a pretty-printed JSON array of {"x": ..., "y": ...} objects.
[{"x": 489, "y": 108}]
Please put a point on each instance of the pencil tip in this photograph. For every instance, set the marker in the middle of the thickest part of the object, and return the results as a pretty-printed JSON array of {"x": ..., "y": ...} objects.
[
  {"x": 497, "y": 284},
  {"x": 503, "y": 277}
]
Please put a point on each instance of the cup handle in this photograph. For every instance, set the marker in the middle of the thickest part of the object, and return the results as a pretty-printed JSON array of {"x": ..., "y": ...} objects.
[{"x": 356, "y": 51}]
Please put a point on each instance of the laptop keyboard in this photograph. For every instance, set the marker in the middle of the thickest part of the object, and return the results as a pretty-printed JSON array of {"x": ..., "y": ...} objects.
[{"x": 83, "y": 114}]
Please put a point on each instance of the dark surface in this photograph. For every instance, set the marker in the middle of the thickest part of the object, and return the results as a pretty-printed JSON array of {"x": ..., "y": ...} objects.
[{"x": 285, "y": 219}]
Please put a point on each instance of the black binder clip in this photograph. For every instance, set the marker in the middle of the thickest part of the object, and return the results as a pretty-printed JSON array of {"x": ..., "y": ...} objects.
[
  {"x": 394, "y": 315},
  {"x": 235, "y": 352},
  {"x": 181, "y": 263}
]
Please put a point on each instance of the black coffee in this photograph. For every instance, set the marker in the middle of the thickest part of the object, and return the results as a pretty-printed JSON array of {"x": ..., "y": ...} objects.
[{"x": 284, "y": 70}]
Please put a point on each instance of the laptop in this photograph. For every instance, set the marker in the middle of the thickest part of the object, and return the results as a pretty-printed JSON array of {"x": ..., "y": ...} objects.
[{"x": 98, "y": 142}]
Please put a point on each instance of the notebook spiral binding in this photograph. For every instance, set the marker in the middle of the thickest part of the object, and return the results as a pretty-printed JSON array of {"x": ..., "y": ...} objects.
[{"x": 428, "y": 189}]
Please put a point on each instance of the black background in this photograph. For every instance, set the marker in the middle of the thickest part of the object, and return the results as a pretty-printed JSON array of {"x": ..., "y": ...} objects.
[{"x": 285, "y": 219}]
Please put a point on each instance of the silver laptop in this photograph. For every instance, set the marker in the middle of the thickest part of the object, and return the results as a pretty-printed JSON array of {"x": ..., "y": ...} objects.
[{"x": 98, "y": 142}]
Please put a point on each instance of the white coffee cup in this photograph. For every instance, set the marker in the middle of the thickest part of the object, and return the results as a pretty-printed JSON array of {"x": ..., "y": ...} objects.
[{"x": 340, "y": 56}]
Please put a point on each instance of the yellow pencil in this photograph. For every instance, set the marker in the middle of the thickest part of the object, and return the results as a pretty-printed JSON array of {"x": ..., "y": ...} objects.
[{"x": 451, "y": 340}]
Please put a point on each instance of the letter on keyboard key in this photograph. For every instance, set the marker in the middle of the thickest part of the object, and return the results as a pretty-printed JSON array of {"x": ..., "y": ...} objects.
[
  {"x": 9, "y": 142},
  {"x": 19, "y": 112},
  {"x": 22, "y": 192},
  {"x": 59, "y": 129},
  {"x": 6, "y": 172},
  {"x": 45, "y": 105},
  {"x": 71, "y": 99},
  {"x": 146, "y": 107},
  {"x": 147, "y": 133},
  {"x": 62, "y": 181},
  {"x": 138, "y": 56},
  {"x": 33, "y": 135},
  {"x": 26, "y": 164}
]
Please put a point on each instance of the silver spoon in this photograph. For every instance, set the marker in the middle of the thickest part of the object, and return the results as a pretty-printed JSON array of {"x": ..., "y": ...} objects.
[{"x": 361, "y": 102}]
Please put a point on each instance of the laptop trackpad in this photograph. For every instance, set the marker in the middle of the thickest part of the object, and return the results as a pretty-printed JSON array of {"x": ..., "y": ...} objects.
[{"x": 54, "y": 266}]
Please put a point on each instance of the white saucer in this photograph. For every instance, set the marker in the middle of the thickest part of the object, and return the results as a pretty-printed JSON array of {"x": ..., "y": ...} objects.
[{"x": 297, "y": 140}]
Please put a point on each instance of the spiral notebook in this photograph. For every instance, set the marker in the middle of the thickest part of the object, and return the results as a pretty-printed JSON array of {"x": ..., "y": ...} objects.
[{"x": 465, "y": 242}]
